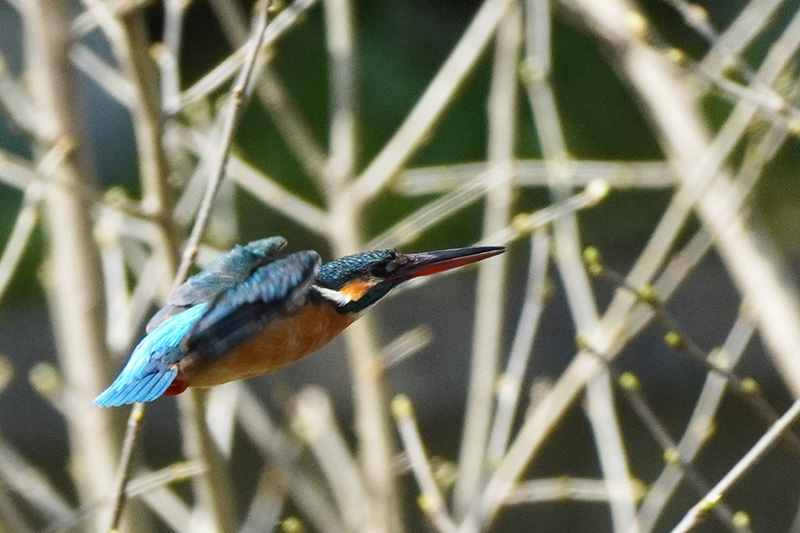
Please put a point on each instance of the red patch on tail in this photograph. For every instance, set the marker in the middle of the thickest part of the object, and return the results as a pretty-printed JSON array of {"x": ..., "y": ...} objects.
[{"x": 175, "y": 388}]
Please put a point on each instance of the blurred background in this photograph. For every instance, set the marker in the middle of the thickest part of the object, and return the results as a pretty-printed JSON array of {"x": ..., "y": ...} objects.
[{"x": 399, "y": 47}]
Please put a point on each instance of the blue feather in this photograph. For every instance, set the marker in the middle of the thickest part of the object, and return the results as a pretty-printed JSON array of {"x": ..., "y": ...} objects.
[
  {"x": 242, "y": 311},
  {"x": 224, "y": 272},
  {"x": 151, "y": 368},
  {"x": 144, "y": 390}
]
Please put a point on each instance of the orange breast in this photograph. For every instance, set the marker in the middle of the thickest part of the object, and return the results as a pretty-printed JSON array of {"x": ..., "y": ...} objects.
[{"x": 280, "y": 343}]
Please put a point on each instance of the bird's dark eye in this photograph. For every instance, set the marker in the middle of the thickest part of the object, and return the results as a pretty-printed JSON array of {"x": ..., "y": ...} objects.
[
  {"x": 383, "y": 269},
  {"x": 386, "y": 268}
]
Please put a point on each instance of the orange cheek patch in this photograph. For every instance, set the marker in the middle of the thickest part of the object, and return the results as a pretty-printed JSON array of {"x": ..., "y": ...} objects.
[{"x": 355, "y": 290}]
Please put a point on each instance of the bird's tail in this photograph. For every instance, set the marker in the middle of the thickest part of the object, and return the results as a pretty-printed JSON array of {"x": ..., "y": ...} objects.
[{"x": 146, "y": 389}]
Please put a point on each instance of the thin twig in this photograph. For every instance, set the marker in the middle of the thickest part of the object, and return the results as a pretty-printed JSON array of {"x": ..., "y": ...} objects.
[
  {"x": 433, "y": 102},
  {"x": 510, "y": 382},
  {"x": 564, "y": 392},
  {"x": 314, "y": 420},
  {"x": 120, "y": 492},
  {"x": 240, "y": 92},
  {"x": 630, "y": 386},
  {"x": 747, "y": 389},
  {"x": 698, "y": 427},
  {"x": 764, "y": 444},
  {"x": 271, "y": 92},
  {"x": 218, "y": 76},
  {"x": 751, "y": 260},
  {"x": 431, "y": 499}
]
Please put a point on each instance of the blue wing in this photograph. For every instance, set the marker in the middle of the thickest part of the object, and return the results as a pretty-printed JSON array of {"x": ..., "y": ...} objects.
[
  {"x": 225, "y": 271},
  {"x": 152, "y": 366},
  {"x": 274, "y": 290},
  {"x": 214, "y": 327}
]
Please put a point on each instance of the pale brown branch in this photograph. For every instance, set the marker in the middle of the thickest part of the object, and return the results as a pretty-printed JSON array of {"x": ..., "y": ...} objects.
[
  {"x": 489, "y": 315},
  {"x": 240, "y": 92},
  {"x": 433, "y": 102},
  {"x": 75, "y": 294}
]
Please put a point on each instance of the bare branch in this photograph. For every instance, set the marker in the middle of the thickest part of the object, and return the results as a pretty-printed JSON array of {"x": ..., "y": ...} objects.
[
  {"x": 240, "y": 92},
  {"x": 696, "y": 513},
  {"x": 433, "y": 102},
  {"x": 75, "y": 295},
  {"x": 489, "y": 309}
]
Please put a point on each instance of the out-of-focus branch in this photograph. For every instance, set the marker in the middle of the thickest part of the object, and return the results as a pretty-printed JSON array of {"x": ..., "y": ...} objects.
[
  {"x": 267, "y": 504},
  {"x": 32, "y": 485},
  {"x": 15, "y": 103},
  {"x": 240, "y": 92},
  {"x": 599, "y": 401},
  {"x": 431, "y": 499},
  {"x": 131, "y": 45},
  {"x": 672, "y": 94},
  {"x": 509, "y": 383},
  {"x": 341, "y": 74},
  {"x": 489, "y": 309},
  {"x": 86, "y": 21},
  {"x": 674, "y": 109},
  {"x": 533, "y": 173},
  {"x": 314, "y": 421},
  {"x": 21, "y": 232},
  {"x": 433, "y": 102},
  {"x": 748, "y": 25},
  {"x": 214, "y": 500},
  {"x": 560, "y": 489},
  {"x": 372, "y": 426},
  {"x": 275, "y": 445},
  {"x": 764, "y": 444},
  {"x": 270, "y": 90},
  {"x": 157, "y": 198},
  {"x": 75, "y": 291}
]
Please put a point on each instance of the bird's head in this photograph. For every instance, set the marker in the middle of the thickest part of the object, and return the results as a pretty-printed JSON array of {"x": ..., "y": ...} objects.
[{"x": 357, "y": 281}]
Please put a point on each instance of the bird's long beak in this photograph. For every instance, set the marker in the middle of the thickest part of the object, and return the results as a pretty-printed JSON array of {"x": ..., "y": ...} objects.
[{"x": 427, "y": 263}]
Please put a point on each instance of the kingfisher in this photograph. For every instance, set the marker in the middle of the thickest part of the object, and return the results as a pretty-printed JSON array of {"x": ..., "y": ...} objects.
[{"x": 249, "y": 312}]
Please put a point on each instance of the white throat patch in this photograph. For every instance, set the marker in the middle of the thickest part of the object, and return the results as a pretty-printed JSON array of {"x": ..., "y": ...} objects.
[{"x": 333, "y": 296}]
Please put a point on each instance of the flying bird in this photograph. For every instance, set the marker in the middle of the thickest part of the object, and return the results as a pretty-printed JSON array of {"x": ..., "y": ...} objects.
[{"x": 249, "y": 312}]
